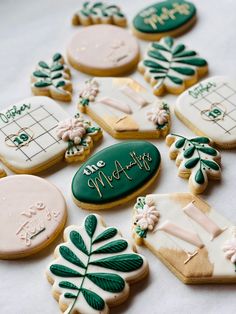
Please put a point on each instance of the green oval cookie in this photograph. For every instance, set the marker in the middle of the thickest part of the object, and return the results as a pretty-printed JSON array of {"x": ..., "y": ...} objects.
[
  {"x": 116, "y": 172},
  {"x": 164, "y": 16}
]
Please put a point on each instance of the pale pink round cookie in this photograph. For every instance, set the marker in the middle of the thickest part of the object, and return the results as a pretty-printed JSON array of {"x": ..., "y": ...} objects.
[
  {"x": 103, "y": 50},
  {"x": 32, "y": 214}
]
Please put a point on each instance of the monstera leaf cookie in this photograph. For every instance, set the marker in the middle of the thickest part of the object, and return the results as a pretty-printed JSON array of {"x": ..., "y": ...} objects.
[
  {"x": 93, "y": 268},
  {"x": 171, "y": 67},
  {"x": 52, "y": 79},
  {"x": 194, "y": 241},
  {"x": 99, "y": 13},
  {"x": 196, "y": 159}
]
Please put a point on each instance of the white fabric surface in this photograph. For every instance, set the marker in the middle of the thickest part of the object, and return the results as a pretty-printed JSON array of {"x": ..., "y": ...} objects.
[{"x": 34, "y": 30}]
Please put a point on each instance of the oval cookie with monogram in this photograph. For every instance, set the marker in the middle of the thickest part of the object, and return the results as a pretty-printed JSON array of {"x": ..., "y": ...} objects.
[
  {"x": 93, "y": 268},
  {"x": 190, "y": 237},
  {"x": 32, "y": 214},
  {"x": 209, "y": 108},
  {"x": 166, "y": 18},
  {"x": 103, "y": 50},
  {"x": 116, "y": 174},
  {"x": 36, "y": 133},
  {"x": 124, "y": 108}
]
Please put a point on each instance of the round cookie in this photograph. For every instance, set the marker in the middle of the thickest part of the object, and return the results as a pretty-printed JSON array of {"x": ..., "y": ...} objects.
[
  {"x": 116, "y": 174},
  {"x": 103, "y": 50},
  {"x": 32, "y": 214},
  {"x": 166, "y": 18}
]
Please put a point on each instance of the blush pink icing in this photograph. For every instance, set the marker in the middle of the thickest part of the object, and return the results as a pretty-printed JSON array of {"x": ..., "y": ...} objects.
[
  {"x": 71, "y": 129},
  {"x": 147, "y": 217},
  {"x": 103, "y": 47},
  {"x": 158, "y": 115},
  {"x": 32, "y": 212}
]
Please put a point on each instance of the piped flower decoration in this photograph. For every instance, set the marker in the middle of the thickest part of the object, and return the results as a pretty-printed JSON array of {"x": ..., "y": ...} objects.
[
  {"x": 72, "y": 129},
  {"x": 159, "y": 115},
  {"x": 146, "y": 216},
  {"x": 89, "y": 92},
  {"x": 229, "y": 248}
]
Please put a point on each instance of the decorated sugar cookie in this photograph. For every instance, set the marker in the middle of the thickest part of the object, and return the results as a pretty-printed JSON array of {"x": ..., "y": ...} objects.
[
  {"x": 52, "y": 79},
  {"x": 124, "y": 108},
  {"x": 194, "y": 241},
  {"x": 171, "y": 67},
  {"x": 103, "y": 50},
  {"x": 116, "y": 174},
  {"x": 209, "y": 109},
  {"x": 2, "y": 173},
  {"x": 164, "y": 18},
  {"x": 32, "y": 214},
  {"x": 94, "y": 268},
  {"x": 99, "y": 13},
  {"x": 196, "y": 160},
  {"x": 36, "y": 133}
]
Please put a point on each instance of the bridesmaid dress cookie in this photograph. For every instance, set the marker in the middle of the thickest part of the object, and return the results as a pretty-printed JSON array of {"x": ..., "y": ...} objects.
[
  {"x": 116, "y": 174},
  {"x": 209, "y": 109},
  {"x": 36, "y": 133},
  {"x": 94, "y": 268},
  {"x": 166, "y": 18},
  {"x": 171, "y": 67},
  {"x": 124, "y": 108},
  {"x": 32, "y": 214},
  {"x": 196, "y": 160},
  {"x": 194, "y": 241},
  {"x": 99, "y": 13},
  {"x": 103, "y": 50},
  {"x": 52, "y": 79}
]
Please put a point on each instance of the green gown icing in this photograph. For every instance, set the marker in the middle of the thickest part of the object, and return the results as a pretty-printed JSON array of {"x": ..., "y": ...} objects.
[
  {"x": 116, "y": 172},
  {"x": 164, "y": 16}
]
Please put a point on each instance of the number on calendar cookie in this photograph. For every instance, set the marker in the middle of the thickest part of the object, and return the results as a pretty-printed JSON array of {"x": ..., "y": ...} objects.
[
  {"x": 194, "y": 241},
  {"x": 209, "y": 109},
  {"x": 36, "y": 133},
  {"x": 52, "y": 79},
  {"x": 124, "y": 108},
  {"x": 171, "y": 67},
  {"x": 196, "y": 160},
  {"x": 166, "y": 18},
  {"x": 93, "y": 268},
  {"x": 33, "y": 213},
  {"x": 99, "y": 13},
  {"x": 116, "y": 174}
]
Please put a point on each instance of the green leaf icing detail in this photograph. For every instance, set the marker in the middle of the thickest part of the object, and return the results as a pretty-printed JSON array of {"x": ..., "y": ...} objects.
[
  {"x": 93, "y": 299},
  {"x": 99, "y": 10},
  {"x": 198, "y": 156},
  {"x": 106, "y": 235},
  {"x": 199, "y": 177},
  {"x": 49, "y": 75},
  {"x": 70, "y": 256},
  {"x": 116, "y": 246},
  {"x": 90, "y": 225},
  {"x": 78, "y": 241},
  {"x": 64, "y": 271},
  {"x": 107, "y": 281},
  {"x": 176, "y": 64},
  {"x": 123, "y": 263}
]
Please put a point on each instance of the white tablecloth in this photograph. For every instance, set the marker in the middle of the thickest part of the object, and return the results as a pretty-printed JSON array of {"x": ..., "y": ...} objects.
[{"x": 34, "y": 30}]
